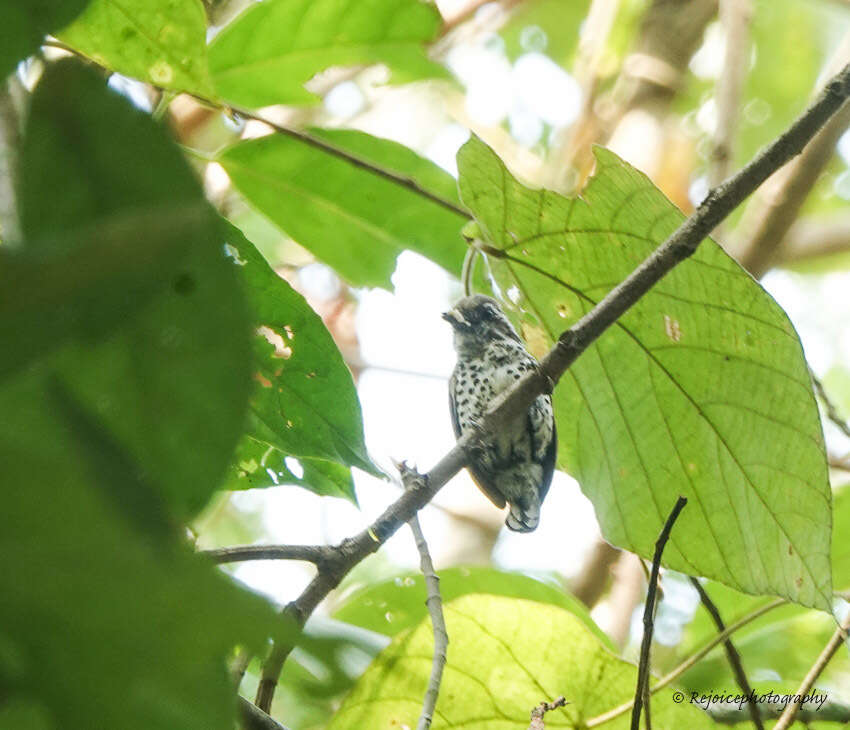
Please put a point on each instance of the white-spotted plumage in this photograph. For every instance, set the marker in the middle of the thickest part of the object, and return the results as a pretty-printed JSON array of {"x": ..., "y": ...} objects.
[{"x": 515, "y": 466}]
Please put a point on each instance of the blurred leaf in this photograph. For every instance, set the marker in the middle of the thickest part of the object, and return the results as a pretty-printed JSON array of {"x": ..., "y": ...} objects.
[
  {"x": 793, "y": 37},
  {"x": 395, "y": 605},
  {"x": 182, "y": 346},
  {"x": 505, "y": 656},
  {"x": 120, "y": 426},
  {"x": 272, "y": 49},
  {"x": 775, "y": 656},
  {"x": 304, "y": 402},
  {"x": 329, "y": 658},
  {"x": 354, "y": 220},
  {"x": 700, "y": 389},
  {"x": 545, "y": 26},
  {"x": 23, "y": 26},
  {"x": 159, "y": 41},
  {"x": 256, "y": 465}
]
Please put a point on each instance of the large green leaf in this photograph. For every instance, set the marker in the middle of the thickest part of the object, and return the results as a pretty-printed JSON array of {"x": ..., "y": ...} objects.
[
  {"x": 268, "y": 53},
  {"x": 23, "y": 26},
  {"x": 159, "y": 41},
  {"x": 350, "y": 218},
  {"x": 117, "y": 431},
  {"x": 700, "y": 389},
  {"x": 304, "y": 402},
  {"x": 505, "y": 656},
  {"x": 396, "y": 605}
]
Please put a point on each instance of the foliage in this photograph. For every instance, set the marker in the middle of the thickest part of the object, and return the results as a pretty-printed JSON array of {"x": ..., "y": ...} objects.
[
  {"x": 701, "y": 389},
  {"x": 488, "y": 685},
  {"x": 123, "y": 392},
  {"x": 154, "y": 357}
]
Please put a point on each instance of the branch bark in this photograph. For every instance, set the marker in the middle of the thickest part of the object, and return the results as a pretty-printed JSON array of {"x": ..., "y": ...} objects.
[
  {"x": 515, "y": 402},
  {"x": 316, "y": 554},
  {"x": 438, "y": 622},
  {"x": 735, "y": 15},
  {"x": 434, "y": 602}
]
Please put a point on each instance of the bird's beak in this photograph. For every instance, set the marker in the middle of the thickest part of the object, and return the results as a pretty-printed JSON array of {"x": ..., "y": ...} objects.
[{"x": 455, "y": 319}]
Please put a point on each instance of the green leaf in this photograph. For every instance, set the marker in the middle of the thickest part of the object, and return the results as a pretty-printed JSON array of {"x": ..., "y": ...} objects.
[
  {"x": 256, "y": 465},
  {"x": 23, "y": 26},
  {"x": 184, "y": 310},
  {"x": 352, "y": 219},
  {"x": 304, "y": 402},
  {"x": 505, "y": 656},
  {"x": 396, "y": 605},
  {"x": 117, "y": 432},
  {"x": 700, "y": 389},
  {"x": 272, "y": 49},
  {"x": 159, "y": 41}
]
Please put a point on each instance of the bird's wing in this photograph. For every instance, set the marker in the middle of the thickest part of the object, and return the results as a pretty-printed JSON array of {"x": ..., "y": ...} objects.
[
  {"x": 549, "y": 456},
  {"x": 479, "y": 478}
]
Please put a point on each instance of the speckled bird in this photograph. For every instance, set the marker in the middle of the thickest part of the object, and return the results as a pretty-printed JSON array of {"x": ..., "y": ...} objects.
[{"x": 515, "y": 467}]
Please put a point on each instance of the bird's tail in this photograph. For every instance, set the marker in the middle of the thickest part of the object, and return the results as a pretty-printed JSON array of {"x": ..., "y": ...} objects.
[{"x": 524, "y": 515}]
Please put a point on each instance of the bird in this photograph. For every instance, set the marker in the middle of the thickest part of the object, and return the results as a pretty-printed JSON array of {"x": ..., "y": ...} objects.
[{"x": 516, "y": 465}]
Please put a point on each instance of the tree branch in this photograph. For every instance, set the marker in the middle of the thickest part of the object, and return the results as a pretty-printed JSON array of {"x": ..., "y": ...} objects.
[
  {"x": 441, "y": 636},
  {"x": 317, "y": 554},
  {"x": 434, "y": 602},
  {"x": 253, "y": 718},
  {"x": 642, "y": 689},
  {"x": 831, "y": 410},
  {"x": 735, "y": 15},
  {"x": 515, "y": 401},
  {"x": 731, "y": 652},
  {"x": 811, "y": 239},
  {"x": 768, "y": 219},
  {"x": 304, "y": 137},
  {"x": 808, "y": 682}
]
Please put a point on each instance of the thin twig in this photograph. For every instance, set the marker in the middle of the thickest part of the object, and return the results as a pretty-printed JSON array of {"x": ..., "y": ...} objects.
[
  {"x": 441, "y": 636},
  {"x": 308, "y": 139},
  {"x": 434, "y": 602},
  {"x": 538, "y": 712},
  {"x": 642, "y": 689},
  {"x": 674, "y": 674},
  {"x": 515, "y": 401},
  {"x": 808, "y": 682},
  {"x": 770, "y": 216},
  {"x": 316, "y": 554},
  {"x": 316, "y": 142},
  {"x": 735, "y": 15},
  {"x": 253, "y": 718},
  {"x": 831, "y": 411},
  {"x": 731, "y": 652}
]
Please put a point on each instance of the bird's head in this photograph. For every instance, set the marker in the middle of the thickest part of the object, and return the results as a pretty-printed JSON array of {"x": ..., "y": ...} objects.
[{"x": 477, "y": 321}]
